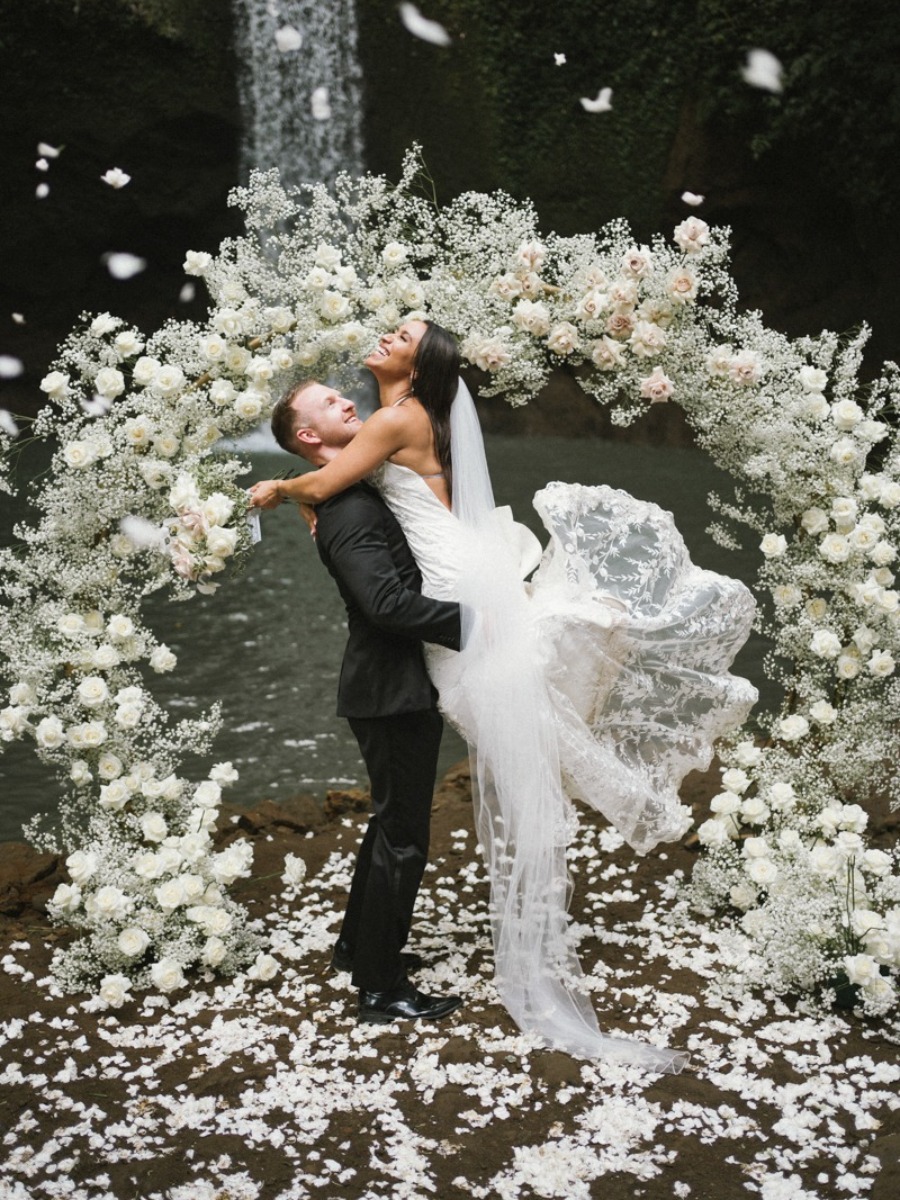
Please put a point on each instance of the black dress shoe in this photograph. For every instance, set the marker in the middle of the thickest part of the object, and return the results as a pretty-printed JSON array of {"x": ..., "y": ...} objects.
[
  {"x": 342, "y": 958},
  {"x": 404, "y": 1003}
]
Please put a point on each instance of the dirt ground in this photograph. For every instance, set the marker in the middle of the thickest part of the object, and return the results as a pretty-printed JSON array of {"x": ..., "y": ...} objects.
[{"x": 246, "y": 1090}]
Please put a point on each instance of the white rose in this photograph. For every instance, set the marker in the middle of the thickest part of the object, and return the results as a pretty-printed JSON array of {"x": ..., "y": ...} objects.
[
  {"x": 715, "y": 832},
  {"x": 279, "y": 319},
  {"x": 114, "y": 795},
  {"x": 844, "y": 509},
  {"x": 607, "y": 354},
  {"x": 22, "y": 693},
  {"x": 657, "y": 387},
  {"x": 881, "y": 664},
  {"x": 814, "y": 407},
  {"x": 773, "y": 545},
  {"x": 248, "y": 405},
  {"x": 335, "y": 305},
  {"x": 214, "y": 952},
  {"x": 171, "y": 894},
  {"x": 153, "y": 827},
  {"x": 138, "y": 431},
  {"x": 167, "y": 975},
  {"x": 221, "y": 542},
  {"x": 109, "y": 383},
  {"x": 197, "y": 262},
  {"x": 823, "y": 713},
  {"x": 264, "y": 968},
  {"x": 208, "y": 795},
  {"x": 817, "y": 607},
  {"x": 848, "y": 666},
  {"x": 133, "y": 941},
  {"x": 762, "y": 871},
  {"x": 92, "y": 691},
  {"x": 637, "y": 262},
  {"x": 128, "y": 716},
  {"x": 114, "y": 990},
  {"x": 846, "y": 414},
  {"x": 890, "y": 494},
  {"x": 49, "y": 733},
  {"x": 825, "y": 644},
  {"x": 882, "y": 553},
  {"x": 835, "y": 548},
  {"x": 725, "y": 804},
  {"x": 745, "y": 368},
  {"x": 792, "y": 728},
  {"x": 147, "y": 865},
  {"x": 80, "y": 772},
  {"x": 781, "y": 796},
  {"x": 743, "y": 896},
  {"x": 214, "y": 347},
  {"x": 222, "y": 392},
  {"x": 109, "y": 766},
  {"x": 647, "y": 340},
  {"x": 144, "y": 371},
  {"x": 623, "y": 293},
  {"x": 812, "y": 379},
  {"x": 109, "y": 902},
  {"x": 754, "y": 811},
  {"x": 872, "y": 431},
  {"x": 862, "y": 969},
  {"x": 876, "y": 862},
  {"x": 790, "y": 842},
  {"x": 692, "y": 235},
  {"x": 563, "y": 338},
  {"x": 79, "y": 454},
  {"x": 734, "y": 780},
  {"x": 530, "y": 256},
  {"x": 13, "y": 722},
  {"x": 532, "y": 316},
  {"x": 826, "y": 861},
  {"x": 162, "y": 659},
  {"x": 844, "y": 452},
  {"x": 746, "y": 754},
  {"x": 814, "y": 521},
  {"x": 169, "y": 380},
  {"x": 87, "y": 736},
  {"x": 55, "y": 385},
  {"x": 394, "y": 254},
  {"x": 232, "y": 864},
  {"x": 682, "y": 286},
  {"x": 66, "y": 898},
  {"x": 127, "y": 344},
  {"x": 787, "y": 595},
  {"x": 119, "y": 627},
  {"x": 488, "y": 354},
  {"x": 327, "y": 256}
]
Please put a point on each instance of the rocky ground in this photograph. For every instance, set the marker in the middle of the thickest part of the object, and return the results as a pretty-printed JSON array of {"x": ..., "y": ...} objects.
[{"x": 271, "y": 1091}]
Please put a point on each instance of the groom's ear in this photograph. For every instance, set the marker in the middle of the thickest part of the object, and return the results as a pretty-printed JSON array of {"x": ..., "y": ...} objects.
[{"x": 308, "y": 437}]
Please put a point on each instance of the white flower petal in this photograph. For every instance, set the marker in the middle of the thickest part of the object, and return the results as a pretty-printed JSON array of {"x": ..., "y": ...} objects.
[
  {"x": 421, "y": 27},
  {"x": 603, "y": 103},
  {"x": 762, "y": 70}
]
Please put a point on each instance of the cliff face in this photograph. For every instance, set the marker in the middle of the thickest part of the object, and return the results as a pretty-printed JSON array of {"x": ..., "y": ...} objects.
[{"x": 150, "y": 86}]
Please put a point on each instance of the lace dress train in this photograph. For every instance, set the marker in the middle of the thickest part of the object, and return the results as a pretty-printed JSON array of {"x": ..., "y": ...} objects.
[{"x": 606, "y": 679}]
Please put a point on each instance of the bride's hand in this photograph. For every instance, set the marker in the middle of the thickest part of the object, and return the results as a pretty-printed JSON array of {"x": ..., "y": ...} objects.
[
  {"x": 266, "y": 494},
  {"x": 308, "y": 513}
]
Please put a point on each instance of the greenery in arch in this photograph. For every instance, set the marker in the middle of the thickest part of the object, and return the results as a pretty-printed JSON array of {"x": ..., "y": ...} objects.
[{"x": 139, "y": 500}]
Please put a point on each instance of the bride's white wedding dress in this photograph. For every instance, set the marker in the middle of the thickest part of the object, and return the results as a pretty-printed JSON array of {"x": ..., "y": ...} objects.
[{"x": 604, "y": 679}]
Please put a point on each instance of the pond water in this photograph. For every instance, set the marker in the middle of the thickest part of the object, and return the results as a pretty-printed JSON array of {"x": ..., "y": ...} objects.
[{"x": 268, "y": 646}]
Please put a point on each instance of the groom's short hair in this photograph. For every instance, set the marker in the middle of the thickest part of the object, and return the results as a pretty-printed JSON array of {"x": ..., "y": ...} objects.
[{"x": 286, "y": 419}]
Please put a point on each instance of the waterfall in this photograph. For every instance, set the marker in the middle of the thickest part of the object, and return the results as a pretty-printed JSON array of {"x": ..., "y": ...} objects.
[{"x": 301, "y": 107}]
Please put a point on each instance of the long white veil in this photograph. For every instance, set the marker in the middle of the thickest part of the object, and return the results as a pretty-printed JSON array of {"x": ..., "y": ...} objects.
[{"x": 523, "y": 817}]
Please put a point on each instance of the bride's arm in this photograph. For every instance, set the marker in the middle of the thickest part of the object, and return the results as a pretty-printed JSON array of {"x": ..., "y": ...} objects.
[{"x": 383, "y": 434}]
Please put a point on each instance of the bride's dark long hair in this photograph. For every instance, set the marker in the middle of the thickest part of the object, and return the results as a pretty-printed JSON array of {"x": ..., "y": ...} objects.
[{"x": 435, "y": 378}]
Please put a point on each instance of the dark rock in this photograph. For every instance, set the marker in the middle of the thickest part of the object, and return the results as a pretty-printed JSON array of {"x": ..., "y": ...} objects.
[
  {"x": 352, "y": 800},
  {"x": 27, "y": 877}
]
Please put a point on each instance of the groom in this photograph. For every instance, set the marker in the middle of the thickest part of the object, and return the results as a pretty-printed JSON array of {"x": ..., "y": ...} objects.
[{"x": 389, "y": 700}]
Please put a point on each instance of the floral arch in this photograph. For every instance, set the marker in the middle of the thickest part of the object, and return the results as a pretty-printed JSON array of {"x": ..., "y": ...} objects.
[{"x": 138, "y": 499}]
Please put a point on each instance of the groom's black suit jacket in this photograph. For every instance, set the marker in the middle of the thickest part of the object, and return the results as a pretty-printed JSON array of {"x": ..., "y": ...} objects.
[{"x": 363, "y": 547}]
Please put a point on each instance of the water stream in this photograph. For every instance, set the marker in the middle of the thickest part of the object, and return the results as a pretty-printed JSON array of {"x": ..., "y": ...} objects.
[{"x": 300, "y": 106}]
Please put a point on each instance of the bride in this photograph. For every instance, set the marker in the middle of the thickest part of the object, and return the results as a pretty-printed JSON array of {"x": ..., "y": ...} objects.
[{"x": 603, "y": 679}]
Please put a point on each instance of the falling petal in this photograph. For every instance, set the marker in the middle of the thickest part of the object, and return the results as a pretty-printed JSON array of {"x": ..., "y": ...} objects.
[
  {"x": 124, "y": 266},
  {"x": 321, "y": 109},
  {"x": 763, "y": 70},
  {"x": 421, "y": 27},
  {"x": 187, "y": 293},
  {"x": 288, "y": 38},
  {"x": 18, "y": 318},
  {"x": 559, "y": 59},
  {"x": 97, "y": 406},
  {"x": 141, "y": 533},
  {"x": 116, "y": 178},
  {"x": 8, "y": 424},
  {"x": 42, "y": 165},
  {"x": 601, "y": 104},
  {"x": 692, "y": 198},
  {"x": 42, "y": 191},
  {"x": 45, "y": 150},
  {"x": 10, "y": 367}
]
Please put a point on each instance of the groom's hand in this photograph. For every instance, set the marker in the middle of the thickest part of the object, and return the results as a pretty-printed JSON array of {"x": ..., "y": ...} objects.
[{"x": 308, "y": 513}]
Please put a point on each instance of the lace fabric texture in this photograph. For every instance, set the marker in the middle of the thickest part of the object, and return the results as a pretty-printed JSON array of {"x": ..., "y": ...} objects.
[{"x": 604, "y": 679}]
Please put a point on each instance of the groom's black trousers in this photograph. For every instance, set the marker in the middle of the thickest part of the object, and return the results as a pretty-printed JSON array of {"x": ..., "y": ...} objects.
[{"x": 400, "y": 753}]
